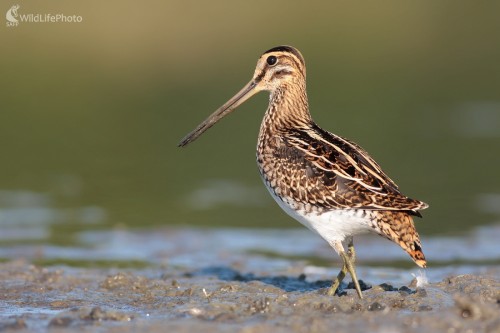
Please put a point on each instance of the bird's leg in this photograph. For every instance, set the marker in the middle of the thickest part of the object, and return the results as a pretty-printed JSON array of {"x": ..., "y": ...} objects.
[
  {"x": 348, "y": 260},
  {"x": 350, "y": 249},
  {"x": 339, "y": 248},
  {"x": 337, "y": 281},
  {"x": 351, "y": 259}
]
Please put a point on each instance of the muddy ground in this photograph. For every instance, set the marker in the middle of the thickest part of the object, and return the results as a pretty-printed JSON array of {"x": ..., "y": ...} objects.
[{"x": 224, "y": 299}]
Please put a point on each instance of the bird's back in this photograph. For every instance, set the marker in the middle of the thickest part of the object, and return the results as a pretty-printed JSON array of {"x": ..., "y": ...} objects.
[{"x": 324, "y": 172}]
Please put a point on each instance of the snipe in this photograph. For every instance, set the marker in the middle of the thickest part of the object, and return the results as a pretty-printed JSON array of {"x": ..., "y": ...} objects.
[{"x": 327, "y": 183}]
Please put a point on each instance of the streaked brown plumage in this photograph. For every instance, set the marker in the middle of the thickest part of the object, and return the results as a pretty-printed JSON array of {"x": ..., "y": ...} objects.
[{"x": 326, "y": 182}]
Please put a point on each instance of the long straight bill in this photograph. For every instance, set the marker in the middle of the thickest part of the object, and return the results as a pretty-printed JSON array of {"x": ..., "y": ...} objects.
[{"x": 248, "y": 91}]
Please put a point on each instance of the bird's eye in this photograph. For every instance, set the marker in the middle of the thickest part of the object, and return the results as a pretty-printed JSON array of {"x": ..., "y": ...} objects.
[{"x": 272, "y": 60}]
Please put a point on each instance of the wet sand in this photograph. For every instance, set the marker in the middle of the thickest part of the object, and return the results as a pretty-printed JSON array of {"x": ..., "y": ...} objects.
[
  {"x": 223, "y": 299},
  {"x": 245, "y": 280}
]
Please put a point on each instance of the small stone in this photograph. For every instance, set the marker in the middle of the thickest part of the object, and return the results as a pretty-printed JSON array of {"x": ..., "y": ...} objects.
[
  {"x": 413, "y": 283},
  {"x": 375, "y": 306},
  {"x": 228, "y": 288},
  {"x": 424, "y": 308},
  {"x": 421, "y": 292},
  {"x": 97, "y": 314},
  {"x": 378, "y": 289},
  {"x": 341, "y": 293},
  {"x": 357, "y": 307},
  {"x": 61, "y": 322},
  {"x": 386, "y": 287},
  {"x": 466, "y": 313},
  {"x": 404, "y": 290},
  {"x": 362, "y": 285},
  {"x": 260, "y": 305}
]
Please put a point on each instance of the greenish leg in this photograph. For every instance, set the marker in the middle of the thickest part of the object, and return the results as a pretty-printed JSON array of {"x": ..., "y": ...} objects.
[
  {"x": 348, "y": 260},
  {"x": 352, "y": 271},
  {"x": 338, "y": 280}
]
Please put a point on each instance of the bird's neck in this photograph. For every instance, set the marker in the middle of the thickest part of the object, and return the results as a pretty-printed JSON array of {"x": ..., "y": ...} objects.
[{"x": 288, "y": 108}]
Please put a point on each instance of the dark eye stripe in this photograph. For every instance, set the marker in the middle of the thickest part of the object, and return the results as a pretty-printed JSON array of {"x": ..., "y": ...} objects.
[
  {"x": 283, "y": 72},
  {"x": 280, "y": 73}
]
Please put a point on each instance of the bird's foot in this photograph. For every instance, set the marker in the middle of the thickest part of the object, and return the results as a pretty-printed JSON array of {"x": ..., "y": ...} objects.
[{"x": 348, "y": 266}]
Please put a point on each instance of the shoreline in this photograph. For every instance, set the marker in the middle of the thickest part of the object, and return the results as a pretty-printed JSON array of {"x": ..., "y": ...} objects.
[{"x": 220, "y": 299}]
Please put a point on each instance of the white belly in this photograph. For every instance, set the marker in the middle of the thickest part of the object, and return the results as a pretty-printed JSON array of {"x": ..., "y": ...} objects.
[{"x": 332, "y": 226}]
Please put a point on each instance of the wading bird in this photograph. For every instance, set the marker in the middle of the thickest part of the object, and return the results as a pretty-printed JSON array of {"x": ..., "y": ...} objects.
[{"x": 327, "y": 183}]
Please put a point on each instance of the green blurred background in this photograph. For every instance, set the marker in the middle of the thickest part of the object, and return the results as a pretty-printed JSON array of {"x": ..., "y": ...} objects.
[{"x": 91, "y": 112}]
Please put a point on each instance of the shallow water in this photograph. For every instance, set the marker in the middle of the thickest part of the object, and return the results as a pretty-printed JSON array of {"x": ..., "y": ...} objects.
[
  {"x": 90, "y": 274},
  {"x": 34, "y": 229},
  {"x": 217, "y": 279},
  {"x": 242, "y": 279},
  {"x": 262, "y": 249}
]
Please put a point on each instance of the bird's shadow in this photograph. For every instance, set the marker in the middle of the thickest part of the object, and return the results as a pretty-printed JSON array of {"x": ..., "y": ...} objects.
[{"x": 286, "y": 283}]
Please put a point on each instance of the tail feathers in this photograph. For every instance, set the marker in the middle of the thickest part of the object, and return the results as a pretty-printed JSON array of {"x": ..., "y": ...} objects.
[
  {"x": 416, "y": 254},
  {"x": 399, "y": 227}
]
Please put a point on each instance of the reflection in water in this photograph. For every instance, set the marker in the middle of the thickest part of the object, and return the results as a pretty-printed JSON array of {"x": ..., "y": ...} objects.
[{"x": 27, "y": 215}]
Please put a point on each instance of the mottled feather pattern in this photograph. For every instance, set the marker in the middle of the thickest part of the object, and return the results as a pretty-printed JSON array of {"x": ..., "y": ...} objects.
[
  {"x": 319, "y": 174},
  {"x": 399, "y": 227},
  {"x": 316, "y": 167},
  {"x": 307, "y": 175},
  {"x": 328, "y": 183}
]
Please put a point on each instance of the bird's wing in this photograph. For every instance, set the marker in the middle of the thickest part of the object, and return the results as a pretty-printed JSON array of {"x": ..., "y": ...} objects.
[{"x": 338, "y": 173}]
